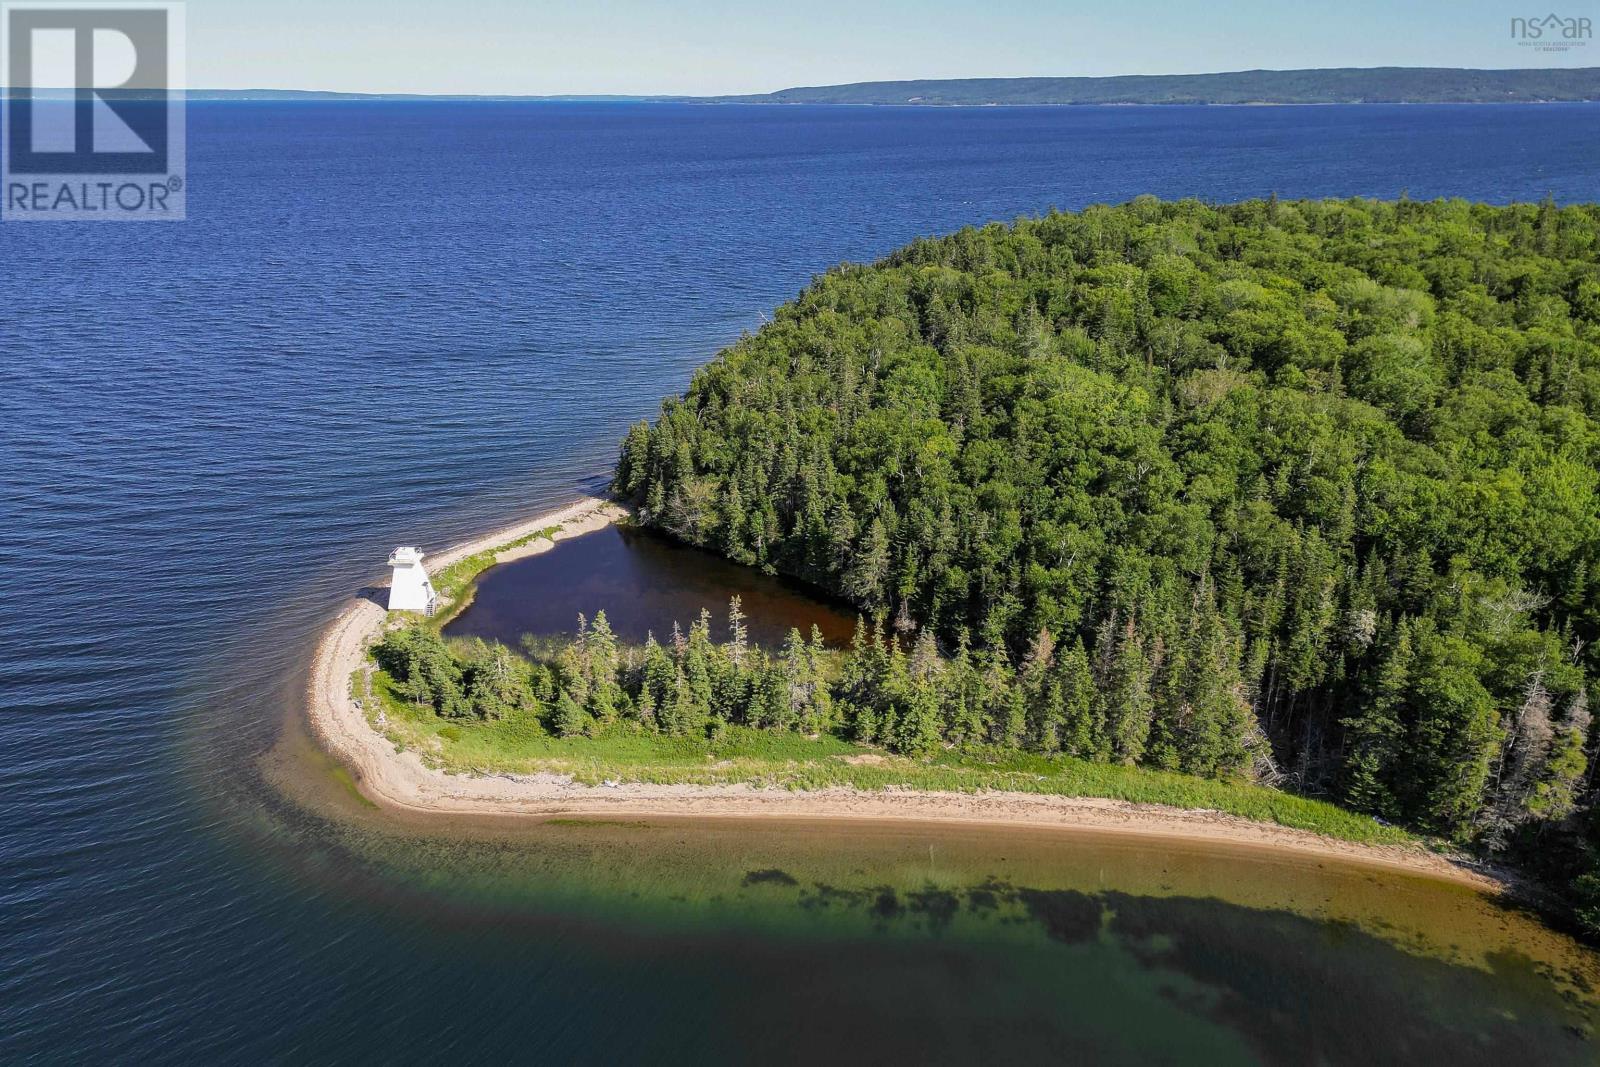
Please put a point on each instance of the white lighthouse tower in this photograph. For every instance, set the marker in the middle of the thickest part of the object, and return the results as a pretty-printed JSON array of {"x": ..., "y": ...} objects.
[{"x": 410, "y": 589}]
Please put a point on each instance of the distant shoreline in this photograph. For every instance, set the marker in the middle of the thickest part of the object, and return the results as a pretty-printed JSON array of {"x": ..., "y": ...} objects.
[
  {"x": 357, "y": 98},
  {"x": 1244, "y": 88},
  {"x": 400, "y": 782}
]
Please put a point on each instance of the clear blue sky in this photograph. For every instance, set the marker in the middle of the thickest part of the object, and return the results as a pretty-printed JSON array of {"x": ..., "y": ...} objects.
[{"x": 724, "y": 46}]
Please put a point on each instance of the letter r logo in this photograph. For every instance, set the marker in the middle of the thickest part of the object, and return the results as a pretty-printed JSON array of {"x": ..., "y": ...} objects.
[{"x": 89, "y": 89}]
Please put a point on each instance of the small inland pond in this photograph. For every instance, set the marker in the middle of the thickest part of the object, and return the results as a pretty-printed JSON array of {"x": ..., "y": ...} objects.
[{"x": 644, "y": 582}]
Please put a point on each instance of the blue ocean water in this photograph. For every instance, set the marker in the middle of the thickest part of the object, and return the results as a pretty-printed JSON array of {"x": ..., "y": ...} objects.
[{"x": 409, "y": 322}]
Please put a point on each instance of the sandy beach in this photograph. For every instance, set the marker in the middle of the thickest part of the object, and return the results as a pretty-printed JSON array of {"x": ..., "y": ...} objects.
[{"x": 400, "y": 780}]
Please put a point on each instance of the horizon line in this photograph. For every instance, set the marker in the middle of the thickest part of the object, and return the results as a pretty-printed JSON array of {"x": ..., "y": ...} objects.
[{"x": 737, "y": 96}]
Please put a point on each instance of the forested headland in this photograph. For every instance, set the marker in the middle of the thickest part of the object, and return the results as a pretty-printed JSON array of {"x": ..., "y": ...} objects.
[
  {"x": 1331, "y": 85},
  {"x": 1299, "y": 492}
]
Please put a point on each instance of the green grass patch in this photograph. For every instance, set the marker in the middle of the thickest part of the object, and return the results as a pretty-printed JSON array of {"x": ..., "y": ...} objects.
[{"x": 770, "y": 759}]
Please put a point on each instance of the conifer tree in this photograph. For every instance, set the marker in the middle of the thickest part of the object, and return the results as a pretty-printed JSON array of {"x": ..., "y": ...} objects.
[
  {"x": 1213, "y": 739},
  {"x": 698, "y": 662},
  {"x": 738, "y": 633},
  {"x": 962, "y": 695},
  {"x": 1556, "y": 794},
  {"x": 658, "y": 683},
  {"x": 917, "y": 725},
  {"x": 1375, "y": 735},
  {"x": 868, "y": 574},
  {"x": 1523, "y": 762},
  {"x": 495, "y": 688},
  {"x": 571, "y": 720},
  {"x": 1452, "y": 747},
  {"x": 1128, "y": 697},
  {"x": 1041, "y": 693}
]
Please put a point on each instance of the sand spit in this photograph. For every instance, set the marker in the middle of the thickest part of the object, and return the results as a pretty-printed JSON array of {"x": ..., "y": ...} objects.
[{"x": 400, "y": 780}]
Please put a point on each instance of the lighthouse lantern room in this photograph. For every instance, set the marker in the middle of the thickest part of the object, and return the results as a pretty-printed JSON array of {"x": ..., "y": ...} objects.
[{"x": 410, "y": 589}]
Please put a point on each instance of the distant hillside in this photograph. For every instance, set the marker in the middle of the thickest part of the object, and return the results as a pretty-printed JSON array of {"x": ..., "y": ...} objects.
[
  {"x": 289, "y": 95},
  {"x": 323, "y": 96},
  {"x": 1343, "y": 85}
]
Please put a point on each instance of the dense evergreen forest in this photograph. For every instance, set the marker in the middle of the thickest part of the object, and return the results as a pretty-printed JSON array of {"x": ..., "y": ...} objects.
[{"x": 1304, "y": 491}]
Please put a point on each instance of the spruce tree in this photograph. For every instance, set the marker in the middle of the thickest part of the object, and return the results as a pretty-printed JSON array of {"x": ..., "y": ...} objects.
[
  {"x": 571, "y": 720},
  {"x": 917, "y": 725},
  {"x": 1128, "y": 698},
  {"x": 1081, "y": 733},
  {"x": 867, "y": 579},
  {"x": 1375, "y": 735}
]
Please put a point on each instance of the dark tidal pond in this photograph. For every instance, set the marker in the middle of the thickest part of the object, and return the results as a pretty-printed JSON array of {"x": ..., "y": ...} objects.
[{"x": 644, "y": 582}]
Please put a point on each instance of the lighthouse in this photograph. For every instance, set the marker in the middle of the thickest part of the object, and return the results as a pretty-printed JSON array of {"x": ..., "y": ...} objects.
[{"x": 410, "y": 589}]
